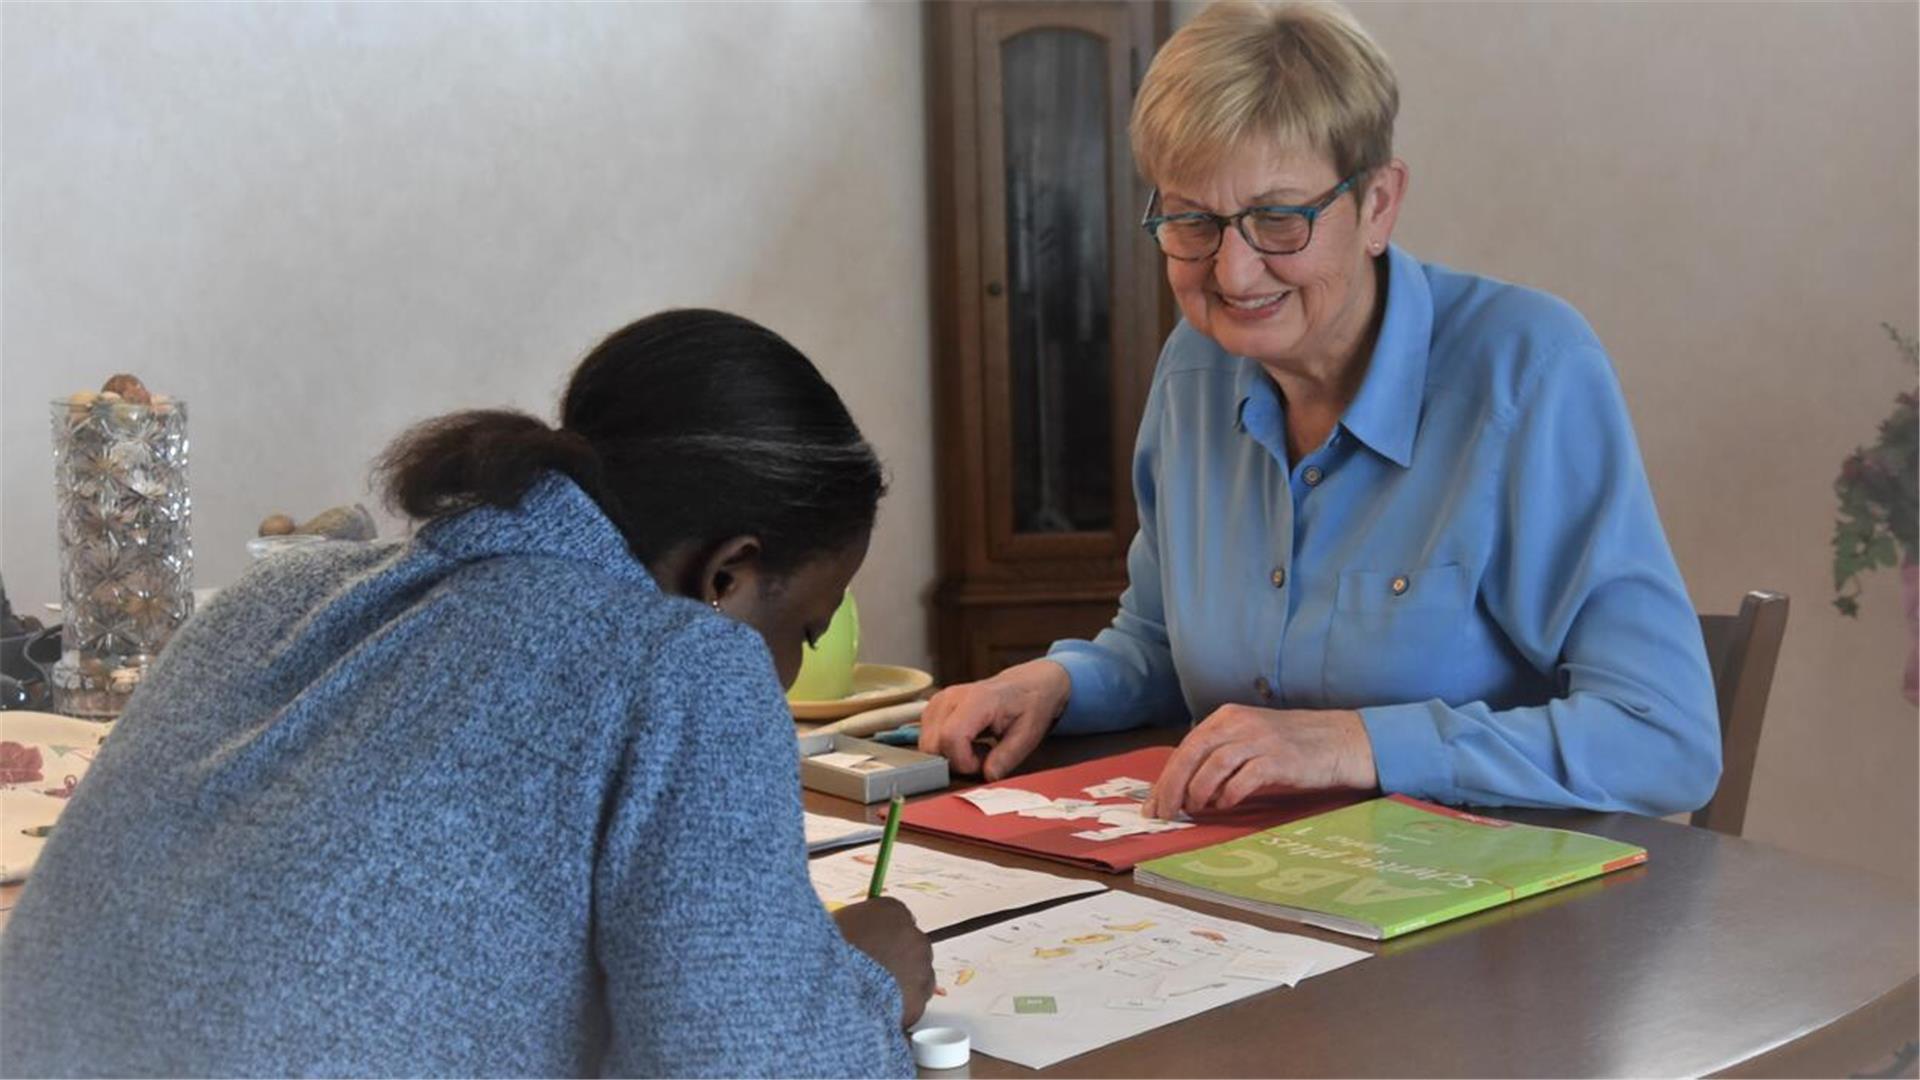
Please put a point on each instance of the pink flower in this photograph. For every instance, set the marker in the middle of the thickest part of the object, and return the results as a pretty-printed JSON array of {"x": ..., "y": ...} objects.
[{"x": 19, "y": 764}]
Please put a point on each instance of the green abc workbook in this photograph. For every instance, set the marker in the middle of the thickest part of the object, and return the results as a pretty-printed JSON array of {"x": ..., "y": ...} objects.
[{"x": 1384, "y": 867}]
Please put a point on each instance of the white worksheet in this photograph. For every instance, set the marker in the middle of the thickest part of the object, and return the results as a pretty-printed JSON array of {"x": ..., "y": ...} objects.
[
  {"x": 1045, "y": 987},
  {"x": 939, "y": 889},
  {"x": 825, "y": 832}
]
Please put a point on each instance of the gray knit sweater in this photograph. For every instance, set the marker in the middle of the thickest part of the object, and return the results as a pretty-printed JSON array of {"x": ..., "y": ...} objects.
[{"x": 488, "y": 802}]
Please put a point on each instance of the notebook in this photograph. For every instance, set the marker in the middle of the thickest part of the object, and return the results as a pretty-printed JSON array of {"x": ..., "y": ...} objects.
[{"x": 1386, "y": 867}]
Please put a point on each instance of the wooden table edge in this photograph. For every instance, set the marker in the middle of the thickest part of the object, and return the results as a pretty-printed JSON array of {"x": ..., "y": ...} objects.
[{"x": 1873, "y": 1033}]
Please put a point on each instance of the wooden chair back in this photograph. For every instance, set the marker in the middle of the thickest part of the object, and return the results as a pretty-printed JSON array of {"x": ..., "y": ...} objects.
[{"x": 1742, "y": 650}]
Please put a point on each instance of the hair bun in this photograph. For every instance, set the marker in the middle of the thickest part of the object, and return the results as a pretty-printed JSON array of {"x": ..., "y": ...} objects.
[{"x": 481, "y": 456}]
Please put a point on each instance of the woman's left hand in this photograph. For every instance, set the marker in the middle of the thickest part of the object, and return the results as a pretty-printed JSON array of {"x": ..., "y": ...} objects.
[{"x": 1240, "y": 752}]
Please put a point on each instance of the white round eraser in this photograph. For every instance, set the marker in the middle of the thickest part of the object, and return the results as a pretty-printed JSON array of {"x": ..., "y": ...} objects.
[{"x": 941, "y": 1048}]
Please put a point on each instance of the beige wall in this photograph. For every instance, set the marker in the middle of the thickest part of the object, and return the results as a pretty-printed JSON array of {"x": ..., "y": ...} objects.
[{"x": 321, "y": 222}]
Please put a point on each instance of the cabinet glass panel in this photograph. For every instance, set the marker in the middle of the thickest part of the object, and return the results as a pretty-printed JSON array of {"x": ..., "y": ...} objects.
[{"x": 1059, "y": 269}]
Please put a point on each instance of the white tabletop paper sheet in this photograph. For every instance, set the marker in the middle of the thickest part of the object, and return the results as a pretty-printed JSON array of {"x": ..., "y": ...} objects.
[
  {"x": 941, "y": 890},
  {"x": 1045, "y": 987}
]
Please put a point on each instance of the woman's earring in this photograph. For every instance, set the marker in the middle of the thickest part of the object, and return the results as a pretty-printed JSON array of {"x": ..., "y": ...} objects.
[{"x": 715, "y": 602}]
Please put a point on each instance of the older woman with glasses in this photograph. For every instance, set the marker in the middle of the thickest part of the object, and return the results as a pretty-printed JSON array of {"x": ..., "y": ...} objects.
[{"x": 1395, "y": 533}]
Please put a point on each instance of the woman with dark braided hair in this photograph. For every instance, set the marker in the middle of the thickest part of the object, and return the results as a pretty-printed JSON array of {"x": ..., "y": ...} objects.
[{"x": 515, "y": 796}]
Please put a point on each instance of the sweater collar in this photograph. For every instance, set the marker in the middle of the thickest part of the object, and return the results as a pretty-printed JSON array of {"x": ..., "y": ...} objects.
[{"x": 555, "y": 519}]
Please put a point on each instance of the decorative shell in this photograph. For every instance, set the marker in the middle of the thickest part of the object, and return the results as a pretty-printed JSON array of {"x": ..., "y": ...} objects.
[
  {"x": 130, "y": 389},
  {"x": 342, "y": 523}
]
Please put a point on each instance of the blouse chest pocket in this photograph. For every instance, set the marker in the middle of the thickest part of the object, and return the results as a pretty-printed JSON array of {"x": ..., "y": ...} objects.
[
  {"x": 1387, "y": 594},
  {"x": 1401, "y": 635}
]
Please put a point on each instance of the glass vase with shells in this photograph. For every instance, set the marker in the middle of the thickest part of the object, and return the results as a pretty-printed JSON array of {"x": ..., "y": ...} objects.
[{"x": 126, "y": 548}]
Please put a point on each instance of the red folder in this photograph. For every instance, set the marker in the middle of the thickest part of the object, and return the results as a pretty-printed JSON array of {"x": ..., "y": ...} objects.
[{"x": 954, "y": 817}]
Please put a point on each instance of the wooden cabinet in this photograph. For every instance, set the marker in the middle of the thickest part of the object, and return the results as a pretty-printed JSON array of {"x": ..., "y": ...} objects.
[{"x": 1049, "y": 310}]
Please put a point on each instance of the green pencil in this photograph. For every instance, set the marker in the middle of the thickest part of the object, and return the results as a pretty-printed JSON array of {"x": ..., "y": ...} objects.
[{"x": 879, "y": 882}]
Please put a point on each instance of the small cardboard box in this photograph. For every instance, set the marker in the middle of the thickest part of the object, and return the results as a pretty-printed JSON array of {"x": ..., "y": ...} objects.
[{"x": 886, "y": 771}]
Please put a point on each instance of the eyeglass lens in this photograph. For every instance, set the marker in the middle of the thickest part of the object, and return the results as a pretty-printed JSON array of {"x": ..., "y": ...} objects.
[{"x": 1272, "y": 233}]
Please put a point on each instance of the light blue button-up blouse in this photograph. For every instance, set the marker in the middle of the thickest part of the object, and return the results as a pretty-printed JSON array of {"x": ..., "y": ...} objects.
[{"x": 1472, "y": 561}]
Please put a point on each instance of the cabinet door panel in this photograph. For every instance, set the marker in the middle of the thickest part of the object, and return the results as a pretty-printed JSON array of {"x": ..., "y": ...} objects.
[
  {"x": 1054, "y": 87},
  {"x": 1049, "y": 313},
  {"x": 1059, "y": 260}
]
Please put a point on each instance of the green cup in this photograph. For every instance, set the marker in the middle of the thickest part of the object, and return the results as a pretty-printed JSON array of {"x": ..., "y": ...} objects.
[{"x": 826, "y": 668}]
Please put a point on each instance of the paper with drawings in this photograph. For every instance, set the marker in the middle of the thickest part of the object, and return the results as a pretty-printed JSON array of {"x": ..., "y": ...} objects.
[
  {"x": 1125, "y": 787},
  {"x": 939, "y": 889},
  {"x": 996, "y": 801},
  {"x": 825, "y": 832},
  {"x": 1126, "y": 820},
  {"x": 1118, "y": 819},
  {"x": 1045, "y": 987}
]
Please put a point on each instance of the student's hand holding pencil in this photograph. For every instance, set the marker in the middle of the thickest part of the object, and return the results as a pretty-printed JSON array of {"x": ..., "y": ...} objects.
[{"x": 884, "y": 930}]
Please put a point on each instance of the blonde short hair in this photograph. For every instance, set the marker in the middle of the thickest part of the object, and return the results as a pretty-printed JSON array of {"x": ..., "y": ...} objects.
[{"x": 1303, "y": 76}]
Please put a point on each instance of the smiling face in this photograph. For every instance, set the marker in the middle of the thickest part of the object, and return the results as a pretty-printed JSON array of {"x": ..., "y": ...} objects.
[{"x": 1311, "y": 311}]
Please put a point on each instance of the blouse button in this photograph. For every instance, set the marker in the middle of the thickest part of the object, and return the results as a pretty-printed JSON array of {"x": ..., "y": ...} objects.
[
  {"x": 1264, "y": 688},
  {"x": 1399, "y": 586},
  {"x": 1312, "y": 475},
  {"x": 1278, "y": 577}
]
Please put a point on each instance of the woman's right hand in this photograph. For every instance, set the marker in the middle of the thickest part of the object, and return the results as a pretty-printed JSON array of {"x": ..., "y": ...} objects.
[
  {"x": 1018, "y": 706},
  {"x": 884, "y": 930}
]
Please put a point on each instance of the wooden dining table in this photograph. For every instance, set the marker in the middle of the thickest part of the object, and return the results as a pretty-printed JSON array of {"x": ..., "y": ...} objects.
[{"x": 1717, "y": 956}]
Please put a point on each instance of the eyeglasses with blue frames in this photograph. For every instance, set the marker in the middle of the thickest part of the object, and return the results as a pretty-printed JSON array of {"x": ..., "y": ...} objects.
[{"x": 1270, "y": 230}]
